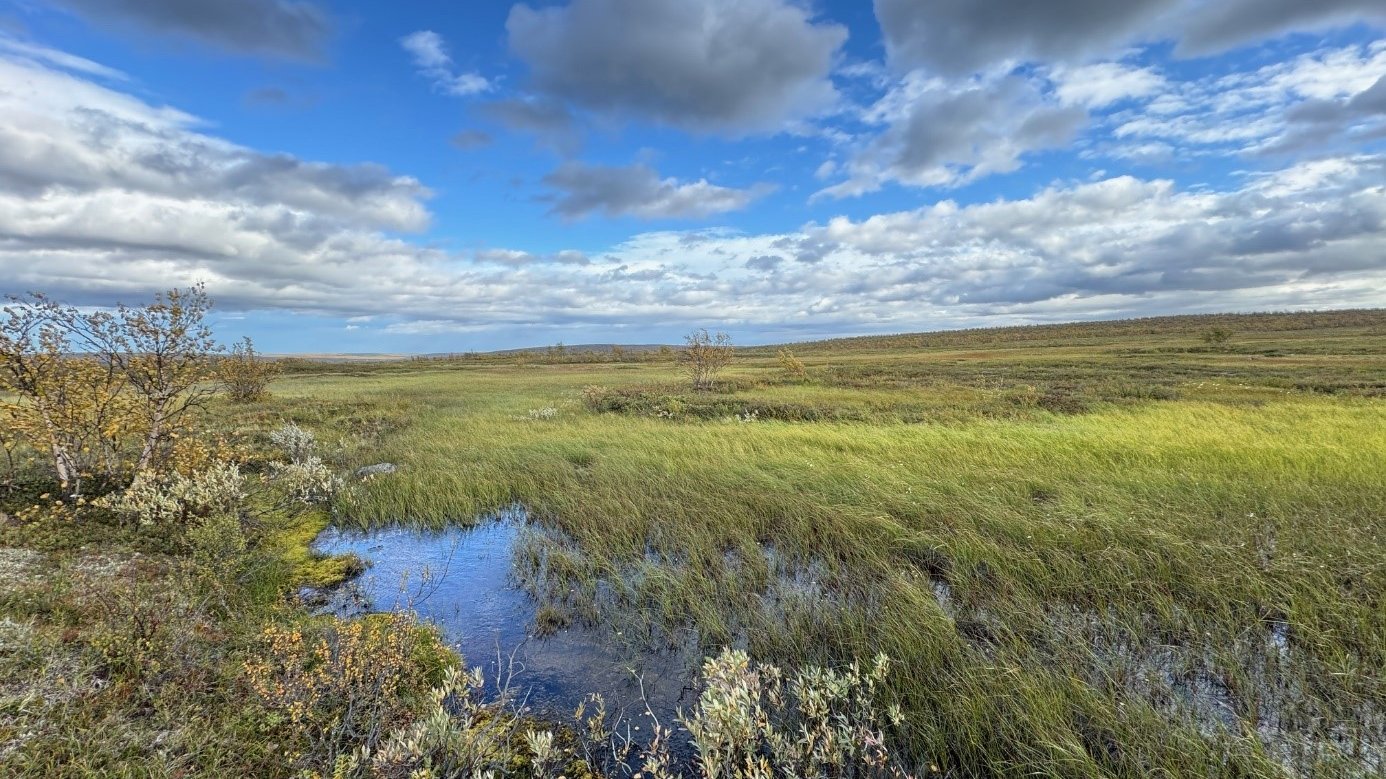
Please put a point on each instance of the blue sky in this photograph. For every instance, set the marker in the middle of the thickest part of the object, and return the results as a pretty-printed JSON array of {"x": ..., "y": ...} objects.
[{"x": 414, "y": 177}]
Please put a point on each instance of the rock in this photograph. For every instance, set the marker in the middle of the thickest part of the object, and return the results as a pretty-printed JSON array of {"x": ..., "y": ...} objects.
[{"x": 379, "y": 469}]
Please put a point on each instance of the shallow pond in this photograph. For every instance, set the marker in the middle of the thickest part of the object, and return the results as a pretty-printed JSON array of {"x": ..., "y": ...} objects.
[{"x": 461, "y": 579}]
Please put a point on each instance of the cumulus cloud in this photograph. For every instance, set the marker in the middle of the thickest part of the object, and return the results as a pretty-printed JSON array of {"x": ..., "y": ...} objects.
[
  {"x": 730, "y": 67},
  {"x": 104, "y": 196},
  {"x": 64, "y": 132},
  {"x": 285, "y": 28},
  {"x": 1315, "y": 100},
  {"x": 637, "y": 190},
  {"x": 1100, "y": 84},
  {"x": 764, "y": 262},
  {"x": 938, "y": 134},
  {"x": 1318, "y": 223},
  {"x": 430, "y": 55},
  {"x": 516, "y": 257},
  {"x": 1212, "y": 27},
  {"x": 958, "y": 37}
]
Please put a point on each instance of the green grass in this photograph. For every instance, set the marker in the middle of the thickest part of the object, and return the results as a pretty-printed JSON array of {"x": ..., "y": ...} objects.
[
  {"x": 1091, "y": 550},
  {"x": 1044, "y": 492}
]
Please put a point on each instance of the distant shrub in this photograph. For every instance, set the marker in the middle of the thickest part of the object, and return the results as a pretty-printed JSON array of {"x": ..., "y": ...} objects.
[
  {"x": 594, "y": 397},
  {"x": 1216, "y": 336},
  {"x": 704, "y": 356},
  {"x": 1145, "y": 392},
  {"x": 792, "y": 366},
  {"x": 245, "y": 374}
]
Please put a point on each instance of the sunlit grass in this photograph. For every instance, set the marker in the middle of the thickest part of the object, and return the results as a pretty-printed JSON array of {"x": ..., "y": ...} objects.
[{"x": 997, "y": 550}]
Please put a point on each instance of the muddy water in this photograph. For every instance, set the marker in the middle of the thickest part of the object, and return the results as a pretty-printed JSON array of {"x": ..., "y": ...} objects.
[{"x": 461, "y": 580}]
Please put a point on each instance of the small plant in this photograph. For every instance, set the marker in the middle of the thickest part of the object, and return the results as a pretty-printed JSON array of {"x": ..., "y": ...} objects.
[
  {"x": 594, "y": 397},
  {"x": 750, "y": 722},
  {"x": 154, "y": 498},
  {"x": 296, "y": 443},
  {"x": 245, "y": 373},
  {"x": 309, "y": 481},
  {"x": 1216, "y": 336},
  {"x": 549, "y": 412},
  {"x": 704, "y": 356},
  {"x": 792, "y": 366},
  {"x": 342, "y": 689}
]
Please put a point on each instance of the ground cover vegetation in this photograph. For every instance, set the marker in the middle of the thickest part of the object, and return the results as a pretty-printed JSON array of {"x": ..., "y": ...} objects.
[{"x": 1116, "y": 549}]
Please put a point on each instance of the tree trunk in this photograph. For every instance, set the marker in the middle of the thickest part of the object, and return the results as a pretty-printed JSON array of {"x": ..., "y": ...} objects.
[{"x": 151, "y": 441}]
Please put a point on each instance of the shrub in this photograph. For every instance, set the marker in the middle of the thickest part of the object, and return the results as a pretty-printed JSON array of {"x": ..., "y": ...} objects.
[
  {"x": 749, "y": 722},
  {"x": 245, "y": 374},
  {"x": 295, "y": 442},
  {"x": 339, "y": 689},
  {"x": 704, "y": 356},
  {"x": 218, "y": 545},
  {"x": 1216, "y": 336},
  {"x": 594, "y": 397},
  {"x": 792, "y": 366},
  {"x": 154, "y": 498},
  {"x": 309, "y": 481}
]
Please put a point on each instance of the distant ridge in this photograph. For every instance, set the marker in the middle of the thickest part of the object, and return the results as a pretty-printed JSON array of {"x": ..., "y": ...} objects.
[{"x": 1179, "y": 324}]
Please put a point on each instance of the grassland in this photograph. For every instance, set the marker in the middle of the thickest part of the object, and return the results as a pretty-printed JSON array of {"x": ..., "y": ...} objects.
[
  {"x": 1094, "y": 551},
  {"x": 1099, "y": 550}
]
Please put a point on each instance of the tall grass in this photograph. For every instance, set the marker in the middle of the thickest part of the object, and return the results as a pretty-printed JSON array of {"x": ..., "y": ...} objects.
[{"x": 1183, "y": 587}]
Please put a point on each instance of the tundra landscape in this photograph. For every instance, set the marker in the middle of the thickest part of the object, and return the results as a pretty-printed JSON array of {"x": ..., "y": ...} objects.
[
  {"x": 693, "y": 389},
  {"x": 1126, "y": 548}
]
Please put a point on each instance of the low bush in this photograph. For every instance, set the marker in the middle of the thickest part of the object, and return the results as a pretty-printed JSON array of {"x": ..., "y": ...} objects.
[
  {"x": 296, "y": 443},
  {"x": 153, "y": 498},
  {"x": 342, "y": 688},
  {"x": 308, "y": 482}
]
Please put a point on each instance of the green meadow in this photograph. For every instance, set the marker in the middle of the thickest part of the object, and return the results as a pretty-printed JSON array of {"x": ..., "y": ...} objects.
[{"x": 1091, "y": 550}]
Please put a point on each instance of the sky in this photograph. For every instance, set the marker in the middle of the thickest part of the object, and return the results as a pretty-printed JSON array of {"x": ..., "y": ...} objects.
[{"x": 454, "y": 176}]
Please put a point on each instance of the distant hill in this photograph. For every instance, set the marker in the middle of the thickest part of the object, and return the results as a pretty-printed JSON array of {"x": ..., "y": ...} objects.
[
  {"x": 1181, "y": 325},
  {"x": 571, "y": 348},
  {"x": 1184, "y": 324}
]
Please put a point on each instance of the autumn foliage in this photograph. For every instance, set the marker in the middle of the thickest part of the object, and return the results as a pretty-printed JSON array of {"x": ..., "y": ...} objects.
[{"x": 104, "y": 394}]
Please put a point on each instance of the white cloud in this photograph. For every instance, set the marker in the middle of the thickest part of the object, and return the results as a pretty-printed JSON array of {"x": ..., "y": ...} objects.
[
  {"x": 104, "y": 196},
  {"x": 1101, "y": 84},
  {"x": 1254, "y": 111},
  {"x": 61, "y": 59},
  {"x": 943, "y": 134},
  {"x": 431, "y": 57}
]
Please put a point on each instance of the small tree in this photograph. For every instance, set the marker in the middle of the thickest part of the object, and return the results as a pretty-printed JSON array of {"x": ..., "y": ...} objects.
[
  {"x": 793, "y": 366},
  {"x": 704, "y": 356},
  {"x": 66, "y": 397},
  {"x": 245, "y": 373},
  {"x": 164, "y": 349},
  {"x": 1216, "y": 336}
]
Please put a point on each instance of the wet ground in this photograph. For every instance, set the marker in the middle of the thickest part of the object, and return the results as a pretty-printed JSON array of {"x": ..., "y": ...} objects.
[{"x": 462, "y": 580}]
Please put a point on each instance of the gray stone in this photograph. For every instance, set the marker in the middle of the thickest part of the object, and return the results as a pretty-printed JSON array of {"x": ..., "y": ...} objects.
[{"x": 379, "y": 469}]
